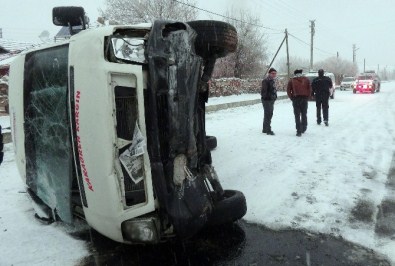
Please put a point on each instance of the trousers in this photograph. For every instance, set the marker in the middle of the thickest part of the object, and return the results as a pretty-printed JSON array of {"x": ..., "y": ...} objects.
[
  {"x": 268, "y": 107},
  {"x": 300, "y": 104},
  {"x": 322, "y": 103}
]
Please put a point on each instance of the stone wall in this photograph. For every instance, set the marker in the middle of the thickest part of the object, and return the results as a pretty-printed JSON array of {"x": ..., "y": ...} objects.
[{"x": 235, "y": 86}]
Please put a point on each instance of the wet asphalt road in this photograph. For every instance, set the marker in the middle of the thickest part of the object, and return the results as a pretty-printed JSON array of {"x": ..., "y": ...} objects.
[{"x": 238, "y": 244}]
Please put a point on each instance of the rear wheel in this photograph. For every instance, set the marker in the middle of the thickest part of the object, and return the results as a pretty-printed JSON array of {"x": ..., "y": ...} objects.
[{"x": 214, "y": 38}]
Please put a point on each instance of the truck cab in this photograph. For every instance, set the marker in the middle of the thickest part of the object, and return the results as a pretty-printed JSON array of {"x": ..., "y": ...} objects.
[{"x": 109, "y": 126}]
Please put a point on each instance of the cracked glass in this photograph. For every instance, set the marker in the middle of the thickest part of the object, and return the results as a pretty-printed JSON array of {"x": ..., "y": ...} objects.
[{"x": 49, "y": 167}]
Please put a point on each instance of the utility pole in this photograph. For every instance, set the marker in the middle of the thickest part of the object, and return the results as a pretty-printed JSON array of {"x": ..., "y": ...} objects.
[
  {"x": 286, "y": 43},
  {"x": 354, "y": 49},
  {"x": 285, "y": 37},
  {"x": 312, "y": 26}
]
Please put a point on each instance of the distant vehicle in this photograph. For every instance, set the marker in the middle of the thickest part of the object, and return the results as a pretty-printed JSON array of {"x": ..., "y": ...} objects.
[
  {"x": 347, "y": 83},
  {"x": 367, "y": 82},
  {"x": 109, "y": 126},
  {"x": 313, "y": 74}
]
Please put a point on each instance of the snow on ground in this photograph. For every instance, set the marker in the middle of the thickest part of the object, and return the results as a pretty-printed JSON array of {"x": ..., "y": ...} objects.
[
  {"x": 24, "y": 240},
  {"x": 312, "y": 182}
]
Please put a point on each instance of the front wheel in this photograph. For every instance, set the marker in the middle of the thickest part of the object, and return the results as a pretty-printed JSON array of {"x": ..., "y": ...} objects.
[{"x": 229, "y": 208}]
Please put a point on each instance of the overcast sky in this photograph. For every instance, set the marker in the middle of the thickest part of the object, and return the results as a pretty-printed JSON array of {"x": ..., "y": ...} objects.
[{"x": 338, "y": 25}]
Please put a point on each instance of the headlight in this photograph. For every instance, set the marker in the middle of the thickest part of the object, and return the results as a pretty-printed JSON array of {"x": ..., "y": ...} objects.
[
  {"x": 143, "y": 230},
  {"x": 131, "y": 49}
]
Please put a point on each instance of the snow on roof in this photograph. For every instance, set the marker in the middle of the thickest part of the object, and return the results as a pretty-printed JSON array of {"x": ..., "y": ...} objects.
[
  {"x": 14, "y": 46},
  {"x": 6, "y": 60}
]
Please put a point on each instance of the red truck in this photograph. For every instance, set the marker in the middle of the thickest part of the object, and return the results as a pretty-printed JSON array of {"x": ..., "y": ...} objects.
[{"x": 367, "y": 82}]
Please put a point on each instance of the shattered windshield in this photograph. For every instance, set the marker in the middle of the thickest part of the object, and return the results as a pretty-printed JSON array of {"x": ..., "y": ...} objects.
[{"x": 47, "y": 135}]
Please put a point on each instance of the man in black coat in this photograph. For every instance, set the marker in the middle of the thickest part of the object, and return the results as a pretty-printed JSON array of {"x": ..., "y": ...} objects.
[
  {"x": 268, "y": 97},
  {"x": 1, "y": 147},
  {"x": 321, "y": 91}
]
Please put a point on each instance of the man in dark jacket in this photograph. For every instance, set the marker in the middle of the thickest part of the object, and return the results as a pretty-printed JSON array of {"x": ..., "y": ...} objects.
[
  {"x": 321, "y": 91},
  {"x": 1, "y": 147},
  {"x": 268, "y": 97},
  {"x": 299, "y": 90}
]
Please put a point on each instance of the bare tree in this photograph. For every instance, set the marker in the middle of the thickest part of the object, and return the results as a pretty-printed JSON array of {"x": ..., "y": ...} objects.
[
  {"x": 337, "y": 66},
  {"x": 250, "y": 57},
  {"x": 138, "y": 11},
  {"x": 294, "y": 63}
]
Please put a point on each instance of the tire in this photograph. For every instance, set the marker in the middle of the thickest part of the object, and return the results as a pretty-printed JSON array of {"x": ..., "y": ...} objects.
[
  {"x": 211, "y": 142},
  {"x": 229, "y": 209},
  {"x": 214, "y": 38}
]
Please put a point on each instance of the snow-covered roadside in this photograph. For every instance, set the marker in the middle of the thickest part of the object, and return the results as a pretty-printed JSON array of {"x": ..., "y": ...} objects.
[
  {"x": 23, "y": 239},
  {"x": 318, "y": 182},
  {"x": 313, "y": 182}
]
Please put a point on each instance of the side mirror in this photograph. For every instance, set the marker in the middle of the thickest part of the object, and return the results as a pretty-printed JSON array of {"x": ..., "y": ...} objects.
[{"x": 69, "y": 16}]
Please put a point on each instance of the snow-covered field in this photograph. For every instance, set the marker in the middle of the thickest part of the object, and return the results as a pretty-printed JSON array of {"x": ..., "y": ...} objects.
[
  {"x": 330, "y": 180},
  {"x": 317, "y": 182}
]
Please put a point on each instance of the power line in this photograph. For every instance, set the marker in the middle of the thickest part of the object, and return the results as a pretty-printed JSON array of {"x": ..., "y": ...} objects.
[
  {"x": 315, "y": 48},
  {"x": 235, "y": 19},
  {"x": 252, "y": 24}
]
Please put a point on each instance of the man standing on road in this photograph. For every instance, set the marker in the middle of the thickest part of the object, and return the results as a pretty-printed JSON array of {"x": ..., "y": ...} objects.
[
  {"x": 321, "y": 90},
  {"x": 1, "y": 147},
  {"x": 299, "y": 90},
  {"x": 268, "y": 97}
]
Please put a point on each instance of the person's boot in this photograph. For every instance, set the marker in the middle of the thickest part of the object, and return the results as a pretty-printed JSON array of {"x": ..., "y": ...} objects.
[
  {"x": 326, "y": 123},
  {"x": 270, "y": 133},
  {"x": 298, "y": 134}
]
